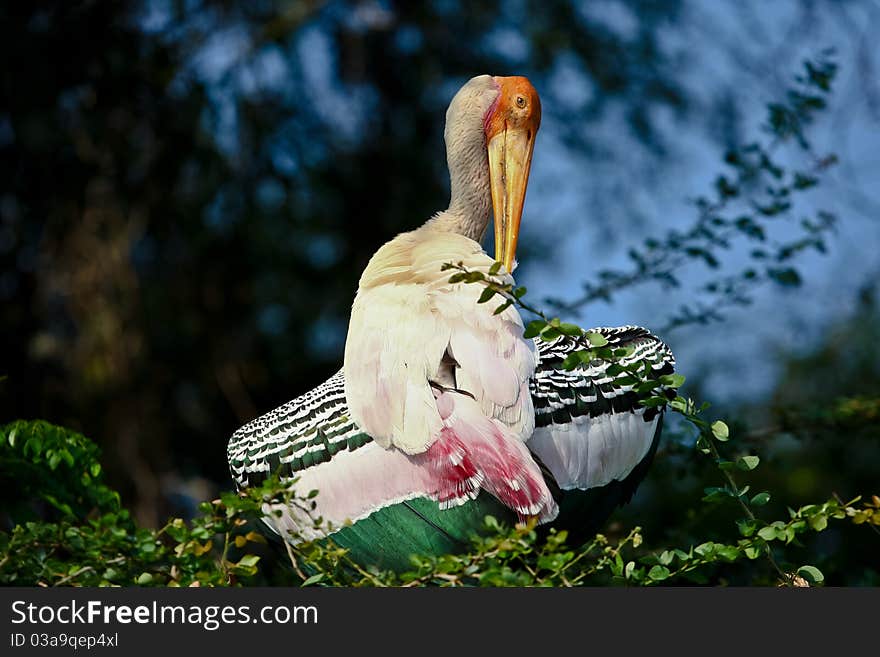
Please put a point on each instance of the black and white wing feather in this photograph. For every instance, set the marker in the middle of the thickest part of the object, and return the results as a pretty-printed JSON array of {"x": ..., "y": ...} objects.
[
  {"x": 590, "y": 426},
  {"x": 302, "y": 433}
]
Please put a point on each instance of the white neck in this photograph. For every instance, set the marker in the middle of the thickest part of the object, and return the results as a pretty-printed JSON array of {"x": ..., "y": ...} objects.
[{"x": 470, "y": 203}]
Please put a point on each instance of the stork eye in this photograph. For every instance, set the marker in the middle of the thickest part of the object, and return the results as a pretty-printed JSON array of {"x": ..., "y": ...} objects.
[{"x": 520, "y": 102}]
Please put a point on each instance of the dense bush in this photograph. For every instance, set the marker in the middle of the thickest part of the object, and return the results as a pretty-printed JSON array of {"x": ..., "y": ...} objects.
[{"x": 74, "y": 532}]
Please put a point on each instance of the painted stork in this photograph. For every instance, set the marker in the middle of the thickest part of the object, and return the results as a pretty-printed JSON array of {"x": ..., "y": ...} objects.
[{"x": 443, "y": 412}]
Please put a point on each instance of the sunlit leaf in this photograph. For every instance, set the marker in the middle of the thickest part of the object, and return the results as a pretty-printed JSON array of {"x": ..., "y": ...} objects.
[
  {"x": 812, "y": 574},
  {"x": 720, "y": 430}
]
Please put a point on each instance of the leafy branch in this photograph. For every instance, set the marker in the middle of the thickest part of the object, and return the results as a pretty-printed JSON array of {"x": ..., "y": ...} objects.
[
  {"x": 743, "y": 204},
  {"x": 75, "y": 531},
  {"x": 222, "y": 547},
  {"x": 594, "y": 347}
]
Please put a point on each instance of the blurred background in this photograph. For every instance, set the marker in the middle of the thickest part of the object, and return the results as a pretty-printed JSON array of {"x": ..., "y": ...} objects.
[{"x": 189, "y": 191}]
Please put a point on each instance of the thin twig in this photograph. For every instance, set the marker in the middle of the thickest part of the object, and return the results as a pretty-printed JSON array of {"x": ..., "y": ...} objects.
[
  {"x": 77, "y": 573},
  {"x": 786, "y": 577}
]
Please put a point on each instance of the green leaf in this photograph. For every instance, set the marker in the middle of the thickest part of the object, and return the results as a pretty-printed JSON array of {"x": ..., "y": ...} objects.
[
  {"x": 618, "y": 564},
  {"x": 720, "y": 430},
  {"x": 570, "y": 329},
  {"x": 748, "y": 462},
  {"x": 249, "y": 560},
  {"x": 705, "y": 550},
  {"x": 761, "y": 499},
  {"x": 144, "y": 578},
  {"x": 494, "y": 269},
  {"x": 67, "y": 457},
  {"x": 672, "y": 380},
  {"x": 767, "y": 533},
  {"x": 658, "y": 573},
  {"x": 314, "y": 579},
  {"x": 803, "y": 181},
  {"x": 702, "y": 445},
  {"x": 812, "y": 574},
  {"x": 715, "y": 493},
  {"x": 819, "y": 522},
  {"x": 577, "y": 358},
  {"x": 95, "y": 469},
  {"x": 596, "y": 339},
  {"x": 487, "y": 294},
  {"x": 785, "y": 276},
  {"x": 550, "y": 333},
  {"x": 752, "y": 552},
  {"x": 728, "y": 552},
  {"x": 534, "y": 328},
  {"x": 746, "y": 527},
  {"x": 504, "y": 306}
]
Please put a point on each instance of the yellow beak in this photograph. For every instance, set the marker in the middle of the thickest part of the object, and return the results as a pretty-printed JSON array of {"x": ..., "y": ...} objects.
[{"x": 510, "y": 159}]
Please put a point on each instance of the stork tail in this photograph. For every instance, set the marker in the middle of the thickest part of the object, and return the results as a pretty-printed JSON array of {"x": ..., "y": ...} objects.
[{"x": 473, "y": 451}]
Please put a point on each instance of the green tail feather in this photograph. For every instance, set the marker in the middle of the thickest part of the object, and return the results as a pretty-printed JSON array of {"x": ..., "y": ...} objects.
[{"x": 390, "y": 536}]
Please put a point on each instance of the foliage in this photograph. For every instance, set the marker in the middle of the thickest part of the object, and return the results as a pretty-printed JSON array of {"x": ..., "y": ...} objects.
[
  {"x": 84, "y": 537},
  {"x": 759, "y": 193},
  {"x": 47, "y": 471},
  {"x": 221, "y": 547}
]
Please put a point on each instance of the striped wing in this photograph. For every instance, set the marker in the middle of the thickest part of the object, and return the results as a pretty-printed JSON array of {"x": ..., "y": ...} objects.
[
  {"x": 300, "y": 434},
  {"x": 590, "y": 430},
  {"x": 590, "y": 427}
]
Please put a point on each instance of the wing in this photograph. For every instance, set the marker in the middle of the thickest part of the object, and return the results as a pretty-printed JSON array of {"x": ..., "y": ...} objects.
[
  {"x": 590, "y": 428},
  {"x": 304, "y": 432},
  {"x": 313, "y": 440}
]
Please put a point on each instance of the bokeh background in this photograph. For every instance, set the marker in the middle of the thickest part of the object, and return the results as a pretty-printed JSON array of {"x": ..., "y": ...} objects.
[{"x": 189, "y": 191}]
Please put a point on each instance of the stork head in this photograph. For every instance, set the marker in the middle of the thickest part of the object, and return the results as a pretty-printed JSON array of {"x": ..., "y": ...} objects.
[
  {"x": 511, "y": 124},
  {"x": 507, "y": 113}
]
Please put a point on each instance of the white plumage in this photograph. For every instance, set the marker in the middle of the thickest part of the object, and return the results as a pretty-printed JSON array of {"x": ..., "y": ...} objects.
[{"x": 590, "y": 452}]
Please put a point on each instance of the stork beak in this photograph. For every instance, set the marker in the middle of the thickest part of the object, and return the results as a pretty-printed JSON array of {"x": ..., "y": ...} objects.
[
  {"x": 510, "y": 160},
  {"x": 511, "y": 127}
]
